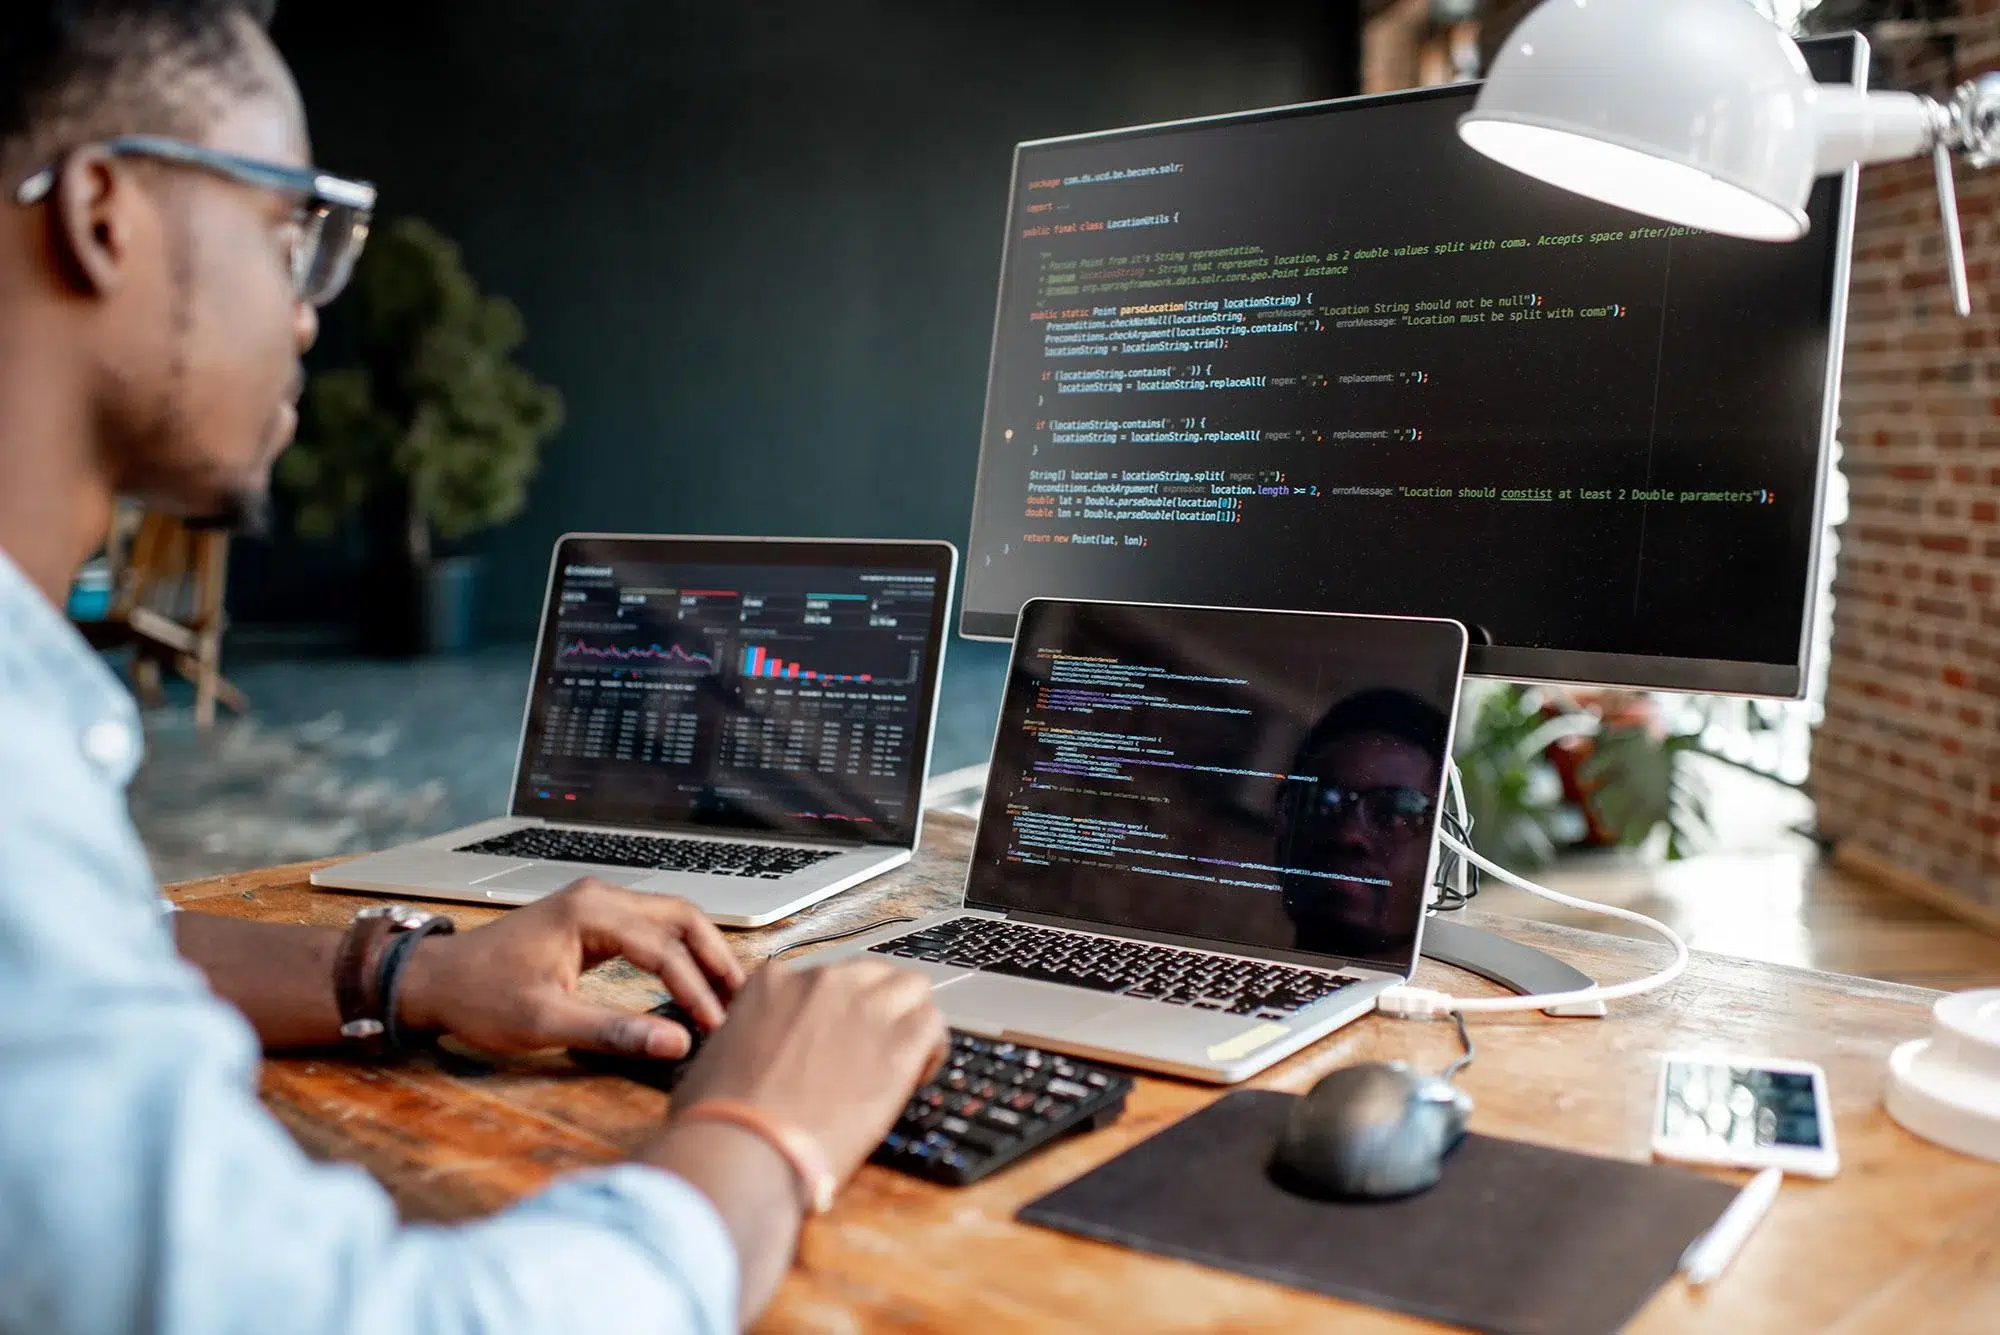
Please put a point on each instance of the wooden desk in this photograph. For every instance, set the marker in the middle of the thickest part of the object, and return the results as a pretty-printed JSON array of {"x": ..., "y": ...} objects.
[{"x": 1906, "y": 1239}]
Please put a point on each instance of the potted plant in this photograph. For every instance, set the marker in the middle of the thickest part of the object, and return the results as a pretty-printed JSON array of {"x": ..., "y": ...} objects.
[
  {"x": 1546, "y": 769},
  {"x": 432, "y": 436}
]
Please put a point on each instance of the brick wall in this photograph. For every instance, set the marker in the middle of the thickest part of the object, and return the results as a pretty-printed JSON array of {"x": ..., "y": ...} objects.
[{"x": 1907, "y": 763}]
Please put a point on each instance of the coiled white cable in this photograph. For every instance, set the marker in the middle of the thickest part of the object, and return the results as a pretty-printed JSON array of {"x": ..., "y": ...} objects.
[{"x": 1411, "y": 1002}]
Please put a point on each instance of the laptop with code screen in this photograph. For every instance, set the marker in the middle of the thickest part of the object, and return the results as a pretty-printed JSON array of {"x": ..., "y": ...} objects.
[{"x": 1206, "y": 836}]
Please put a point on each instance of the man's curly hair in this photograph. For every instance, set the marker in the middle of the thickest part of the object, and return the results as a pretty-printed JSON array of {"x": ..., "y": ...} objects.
[{"x": 76, "y": 70}]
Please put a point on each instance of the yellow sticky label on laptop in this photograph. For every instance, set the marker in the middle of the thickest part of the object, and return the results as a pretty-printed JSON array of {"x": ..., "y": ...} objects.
[{"x": 1248, "y": 1041}]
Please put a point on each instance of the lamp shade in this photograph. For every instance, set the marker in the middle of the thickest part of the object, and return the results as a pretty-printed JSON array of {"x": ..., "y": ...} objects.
[{"x": 1699, "y": 112}]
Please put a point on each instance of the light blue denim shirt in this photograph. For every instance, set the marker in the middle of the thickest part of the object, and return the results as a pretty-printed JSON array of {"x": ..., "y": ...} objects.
[{"x": 142, "y": 1186}]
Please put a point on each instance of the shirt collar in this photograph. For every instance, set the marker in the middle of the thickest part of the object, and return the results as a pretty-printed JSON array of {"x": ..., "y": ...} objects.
[{"x": 46, "y": 665}]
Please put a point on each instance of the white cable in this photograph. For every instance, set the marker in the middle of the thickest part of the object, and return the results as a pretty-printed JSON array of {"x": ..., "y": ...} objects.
[{"x": 1410, "y": 1002}]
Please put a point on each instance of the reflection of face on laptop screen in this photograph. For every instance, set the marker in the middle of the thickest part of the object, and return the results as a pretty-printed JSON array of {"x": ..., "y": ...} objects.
[
  {"x": 1265, "y": 779},
  {"x": 780, "y": 697}
]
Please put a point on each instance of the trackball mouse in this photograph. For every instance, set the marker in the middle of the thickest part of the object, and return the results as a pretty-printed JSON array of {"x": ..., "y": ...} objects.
[{"x": 1374, "y": 1131}]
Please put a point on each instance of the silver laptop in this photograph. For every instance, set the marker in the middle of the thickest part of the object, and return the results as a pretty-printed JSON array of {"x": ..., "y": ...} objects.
[
  {"x": 743, "y": 722},
  {"x": 1206, "y": 837}
]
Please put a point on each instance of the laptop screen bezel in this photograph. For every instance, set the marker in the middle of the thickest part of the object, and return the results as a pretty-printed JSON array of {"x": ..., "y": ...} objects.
[
  {"x": 928, "y": 556},
  {"x": 1031, "y": 613}
]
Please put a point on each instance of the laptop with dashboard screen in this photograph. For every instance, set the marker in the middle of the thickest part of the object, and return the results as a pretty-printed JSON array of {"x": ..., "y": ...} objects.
[
  {"x": 742, "y": 722},
  {"x": 1206, "y": 837}
]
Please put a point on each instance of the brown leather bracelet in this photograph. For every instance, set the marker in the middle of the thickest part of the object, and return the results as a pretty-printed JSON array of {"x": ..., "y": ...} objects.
[
  {"x": 358, "y": 972},
  {"x": 357, "y": 967}
]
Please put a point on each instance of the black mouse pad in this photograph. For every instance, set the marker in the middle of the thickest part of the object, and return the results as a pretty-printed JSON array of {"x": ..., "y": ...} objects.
[{"x": 1517, "y": 1239}]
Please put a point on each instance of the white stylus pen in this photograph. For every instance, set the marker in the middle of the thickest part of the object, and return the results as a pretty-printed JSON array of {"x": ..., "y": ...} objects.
[{"x": 1710, "y": 1254}]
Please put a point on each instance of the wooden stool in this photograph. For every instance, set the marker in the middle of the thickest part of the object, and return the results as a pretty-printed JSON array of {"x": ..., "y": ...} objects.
[{"x": 166, "y": 603}]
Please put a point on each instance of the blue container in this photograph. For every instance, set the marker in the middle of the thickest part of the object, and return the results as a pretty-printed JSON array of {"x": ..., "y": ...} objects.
[
  {"x": 452, "y": 605},
  {"x": 90, "y": 596}
]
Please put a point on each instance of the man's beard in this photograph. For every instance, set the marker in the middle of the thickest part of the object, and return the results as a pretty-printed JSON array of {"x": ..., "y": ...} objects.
[{"x": 245, "y": 513}]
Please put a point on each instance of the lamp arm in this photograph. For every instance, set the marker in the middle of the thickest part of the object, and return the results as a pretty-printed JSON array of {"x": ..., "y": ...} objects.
[
  {"x": 1856, "y": 127},
  {"x": 1974, "y": 131}
]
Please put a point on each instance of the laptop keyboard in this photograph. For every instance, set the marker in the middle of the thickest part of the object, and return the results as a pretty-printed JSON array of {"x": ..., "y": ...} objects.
[
  {"x": 708, "y": 857},
  {"x": 1110, "y": 964}
]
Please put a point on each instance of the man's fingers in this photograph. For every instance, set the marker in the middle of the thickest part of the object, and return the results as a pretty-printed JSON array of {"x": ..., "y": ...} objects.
[
  {"x": 710, "y": 950},
  {"x": 666, "y": 957},
  {"x": 615, "y": 917},
  {"x": 922, "y": 1015},
  {"x": 940, "y": 1052},
  {"x": 571, "y": 1023}
]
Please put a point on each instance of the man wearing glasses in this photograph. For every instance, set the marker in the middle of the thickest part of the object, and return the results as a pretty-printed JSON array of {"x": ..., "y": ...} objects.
[
  {"x": 1377, "y": 755},
  {"x": 163, "y": 247}
]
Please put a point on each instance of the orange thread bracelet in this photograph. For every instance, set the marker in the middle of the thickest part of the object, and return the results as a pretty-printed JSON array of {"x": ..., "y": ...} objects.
[{"x": 816, "y": 1181}]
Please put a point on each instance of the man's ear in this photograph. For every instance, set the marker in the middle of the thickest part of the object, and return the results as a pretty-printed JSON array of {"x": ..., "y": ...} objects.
[{"x": 95, "y": 220}]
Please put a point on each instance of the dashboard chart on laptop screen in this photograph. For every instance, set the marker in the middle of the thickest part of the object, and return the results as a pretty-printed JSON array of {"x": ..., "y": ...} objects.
[{"x": 760, "y": 696}]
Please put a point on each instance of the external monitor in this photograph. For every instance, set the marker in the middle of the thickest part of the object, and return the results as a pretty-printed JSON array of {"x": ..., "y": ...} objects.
[{"x": 1326, "y": 357}]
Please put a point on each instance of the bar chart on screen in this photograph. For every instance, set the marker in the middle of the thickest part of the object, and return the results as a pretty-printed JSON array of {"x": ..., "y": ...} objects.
[{"x": 759, "y": 661}]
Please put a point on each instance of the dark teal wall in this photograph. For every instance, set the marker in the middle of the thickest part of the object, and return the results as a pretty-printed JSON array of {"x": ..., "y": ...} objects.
[{"x": 756, "y": 244}]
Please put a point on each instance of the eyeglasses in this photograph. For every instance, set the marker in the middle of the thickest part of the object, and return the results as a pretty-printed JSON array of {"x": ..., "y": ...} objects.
[
  {"x": 333, "y": 213},
  {"x": 1385, "y": 810}
]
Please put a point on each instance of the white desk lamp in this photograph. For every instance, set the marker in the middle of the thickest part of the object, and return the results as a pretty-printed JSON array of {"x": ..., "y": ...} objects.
[{"x": 1702, "y": 113}]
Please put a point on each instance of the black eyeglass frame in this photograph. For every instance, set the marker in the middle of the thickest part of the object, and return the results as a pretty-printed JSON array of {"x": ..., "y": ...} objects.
[
  {"x": 1403, "y": 817},
  {"x": 335, "y": 202}
]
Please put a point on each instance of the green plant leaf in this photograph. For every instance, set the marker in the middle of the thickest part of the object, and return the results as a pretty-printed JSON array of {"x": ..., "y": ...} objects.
[
  {"x": 1511, "y": 792},
  {"x": 1634, "y": 786}
]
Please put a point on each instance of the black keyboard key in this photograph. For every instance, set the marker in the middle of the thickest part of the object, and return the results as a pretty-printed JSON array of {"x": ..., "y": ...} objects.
[{"x": 1004, "y": 1118}]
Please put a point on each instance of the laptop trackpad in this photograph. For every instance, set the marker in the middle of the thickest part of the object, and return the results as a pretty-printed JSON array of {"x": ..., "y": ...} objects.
[
  {"x": 993, "y": 1002},
  {"x": 545, "y": 877}
]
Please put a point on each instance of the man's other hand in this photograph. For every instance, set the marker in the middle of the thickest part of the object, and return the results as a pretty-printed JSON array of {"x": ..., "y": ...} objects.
[
  {"x": 834, "y": 1050},
  {"x": 510, "y": 986}
]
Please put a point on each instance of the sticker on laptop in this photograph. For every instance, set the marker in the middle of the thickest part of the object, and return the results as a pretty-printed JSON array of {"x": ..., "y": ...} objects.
[{"x": 1248, "y": 1041}]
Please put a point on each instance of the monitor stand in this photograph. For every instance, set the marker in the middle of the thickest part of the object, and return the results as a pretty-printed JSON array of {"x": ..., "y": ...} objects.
[{"x": 1521, "y": 969}]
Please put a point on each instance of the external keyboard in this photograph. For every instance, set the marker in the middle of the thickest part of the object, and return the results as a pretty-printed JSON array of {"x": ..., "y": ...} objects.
[
  {"x": 708, "y": 857},
  {"x": 1113, "y": 964},
  {"x": 995, "y": 1102},
  {"x": 992, "y": 1103}
]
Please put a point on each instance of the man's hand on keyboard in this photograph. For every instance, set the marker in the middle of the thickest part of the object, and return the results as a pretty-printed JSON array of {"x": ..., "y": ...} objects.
[
  {"x": 510, "y": 986},
  {"x": 833, "y": 1050}
]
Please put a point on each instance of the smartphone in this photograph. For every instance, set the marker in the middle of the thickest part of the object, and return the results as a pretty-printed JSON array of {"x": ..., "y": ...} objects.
[{"x": 1745, "y": 1112}]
